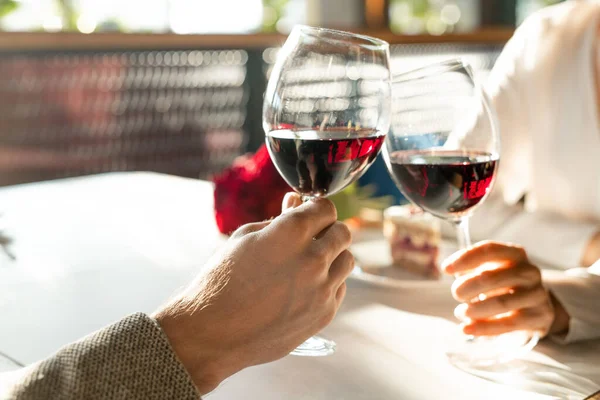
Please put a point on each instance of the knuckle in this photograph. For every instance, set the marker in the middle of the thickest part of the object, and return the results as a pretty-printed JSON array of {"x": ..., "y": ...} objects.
[
  {"x": 347, "y": 258},
  {"x": 541, "y": 295},
  {"x": 298, "y": 221},
  {"x": 324, "y": 296},
  {"x": 517, "y": 252},
  {"x": 520, "y": 251},
  {"x": 319, "y": 254},
  {"x": 486, "y": 245},
  {"x": 328, "y": 208},
  {"x": 242, "y": 231},
  {"x": 531, "y": 273},
  {"x": 344, "y": 233},
  {"x": 537, "y": 274},
  {"x": 489, "y": 247},
  {"x": 328, "y": 316},
  {"x": 341, "y": 292}
]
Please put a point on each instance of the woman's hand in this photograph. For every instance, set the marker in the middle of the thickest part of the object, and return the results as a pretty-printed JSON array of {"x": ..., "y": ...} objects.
[
  {"x": 514, "y": 297},
  {"x": 274, "y": 285}
]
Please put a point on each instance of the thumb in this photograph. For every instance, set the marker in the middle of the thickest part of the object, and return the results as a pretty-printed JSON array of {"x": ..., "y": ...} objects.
[{"x": 290, "y": 201}]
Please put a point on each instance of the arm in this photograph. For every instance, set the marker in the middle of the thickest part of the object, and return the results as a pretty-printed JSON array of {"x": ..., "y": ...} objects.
[
  {"x": 131, "y": 359},
  {"x": 549, "y": 238},
  {"x": 240, "y": 311}
]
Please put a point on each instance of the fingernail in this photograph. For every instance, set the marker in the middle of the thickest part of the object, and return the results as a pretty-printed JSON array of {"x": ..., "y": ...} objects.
[
  {"x": 288, "y": 203},
  {"x": 451, "y": 259},
  {"x": 445, "y": 264},
  {"x": 469, "y": 329},
  {"x": 460, "y": 312}
]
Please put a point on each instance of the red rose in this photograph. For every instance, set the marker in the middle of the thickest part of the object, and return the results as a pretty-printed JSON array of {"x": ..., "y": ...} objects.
[{"x": 251, "y": 190}]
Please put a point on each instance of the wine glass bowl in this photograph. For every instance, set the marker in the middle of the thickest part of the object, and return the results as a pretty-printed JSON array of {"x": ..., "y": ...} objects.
[
  {"x": 443, "y": 152},
  {"x": 326, "y": 114},
  {"x": 443, "y": 149},
  {"x": 327, "y": 108}
]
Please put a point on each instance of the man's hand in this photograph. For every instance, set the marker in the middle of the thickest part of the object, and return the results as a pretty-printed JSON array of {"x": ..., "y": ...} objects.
[
  {"x": 274, "y": 285},
  {"x": 514, "y": 297}
]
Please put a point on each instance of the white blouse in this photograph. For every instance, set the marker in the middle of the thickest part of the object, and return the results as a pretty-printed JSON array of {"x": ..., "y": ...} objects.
[{"x": 543, "y": 89}]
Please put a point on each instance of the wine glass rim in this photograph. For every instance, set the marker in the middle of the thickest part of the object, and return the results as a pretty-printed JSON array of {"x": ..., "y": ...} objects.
[
  {"x": 338, "y": 36},
  {"x": 424, "y": 71}
]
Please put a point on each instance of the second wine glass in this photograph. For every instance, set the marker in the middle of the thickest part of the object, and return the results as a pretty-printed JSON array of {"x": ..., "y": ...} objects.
[
  {"x": 326, "y": 113},
  {"x": 443, "y": 151}
]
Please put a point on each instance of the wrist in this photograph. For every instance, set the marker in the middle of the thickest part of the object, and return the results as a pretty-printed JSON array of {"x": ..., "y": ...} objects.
[
  {"x": 560, "y": 324},
  {"x": 206, "y": 366}
]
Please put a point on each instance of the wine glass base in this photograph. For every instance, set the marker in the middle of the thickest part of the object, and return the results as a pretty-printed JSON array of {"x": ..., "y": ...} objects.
[
  {"x": 315, "y": 346},
  {"x": 486, "y": 351}
]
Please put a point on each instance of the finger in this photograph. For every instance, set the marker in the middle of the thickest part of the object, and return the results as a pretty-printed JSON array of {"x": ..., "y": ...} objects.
[
  {"x": 290, "y": 201},
  {"x": 534, "y": 320},
  {"x": 340, "y": 268},
  {"x": 249, "y": 228},
  {"x": 333, "y": 241},
  {"x": 340, "y": 294},
  {"x": 481, "y": 253},
  {"x": 306, "y": 220},
  {"x": 468, "y": 287},
  {"x": 492, "y": 306}
]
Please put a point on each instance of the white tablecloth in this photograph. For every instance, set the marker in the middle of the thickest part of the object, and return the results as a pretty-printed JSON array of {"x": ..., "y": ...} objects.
[{"x": 92, "y": 250}]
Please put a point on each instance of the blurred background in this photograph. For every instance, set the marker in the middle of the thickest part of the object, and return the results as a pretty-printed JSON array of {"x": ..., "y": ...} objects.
[
  {"x": 176, "y": 86},
  {"x": 435, "y": 17}
]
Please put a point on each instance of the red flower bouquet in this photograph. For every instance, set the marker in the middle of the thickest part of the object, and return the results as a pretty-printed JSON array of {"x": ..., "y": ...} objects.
[{"x": 251, "y": 190}]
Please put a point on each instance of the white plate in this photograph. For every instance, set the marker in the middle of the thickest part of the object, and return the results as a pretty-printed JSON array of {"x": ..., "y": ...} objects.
[{"x": 374, "y": 263}]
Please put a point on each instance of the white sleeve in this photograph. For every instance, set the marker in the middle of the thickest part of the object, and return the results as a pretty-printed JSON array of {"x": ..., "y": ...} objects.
[
  {"x": 506, "y": 93},
  {"x": 578, "y": 290},
  {"x": 549, "y": 239}
]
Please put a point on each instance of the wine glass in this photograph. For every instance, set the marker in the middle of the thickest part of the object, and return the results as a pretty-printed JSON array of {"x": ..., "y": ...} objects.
[
  {"x": 326, "y": 113},
  {"x": 443, "y": 153}
]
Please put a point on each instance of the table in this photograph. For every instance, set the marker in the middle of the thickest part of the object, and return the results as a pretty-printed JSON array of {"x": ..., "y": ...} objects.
[{"x": 91, "y": 250}]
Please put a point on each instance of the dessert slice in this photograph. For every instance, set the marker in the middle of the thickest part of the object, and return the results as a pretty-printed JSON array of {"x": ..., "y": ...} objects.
[{"x": 414, "y": 239}]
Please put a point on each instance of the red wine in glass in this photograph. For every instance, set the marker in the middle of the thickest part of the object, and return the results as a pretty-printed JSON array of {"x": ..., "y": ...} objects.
[
  {"x": 322, "y": 163},
  {"x": 446, "y": 183}
]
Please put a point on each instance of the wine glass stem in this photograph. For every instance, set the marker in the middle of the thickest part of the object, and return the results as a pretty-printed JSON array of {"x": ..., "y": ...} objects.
[
  {"x": 462, "y": 232},
  {"x": 464, "y": 241}
]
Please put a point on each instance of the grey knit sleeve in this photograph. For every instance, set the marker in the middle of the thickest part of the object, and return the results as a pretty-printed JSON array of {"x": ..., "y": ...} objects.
[{"x": 131, "y": 359}]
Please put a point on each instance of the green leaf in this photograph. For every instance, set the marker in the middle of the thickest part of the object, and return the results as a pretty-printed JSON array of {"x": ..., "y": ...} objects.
[
  {"x": 351, "y": 200},
  {"x": 7, "y": 7}
]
